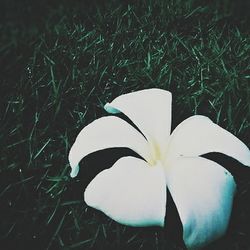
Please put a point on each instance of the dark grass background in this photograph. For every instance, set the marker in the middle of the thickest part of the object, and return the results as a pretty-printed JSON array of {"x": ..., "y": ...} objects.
[{"x": 61, "y": 61}]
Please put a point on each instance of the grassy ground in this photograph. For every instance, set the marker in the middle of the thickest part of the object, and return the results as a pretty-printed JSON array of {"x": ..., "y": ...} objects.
[{"x": 61, "y": 61}]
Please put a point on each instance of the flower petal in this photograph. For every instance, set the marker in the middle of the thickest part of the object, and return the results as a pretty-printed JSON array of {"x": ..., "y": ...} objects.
[
  {"x": 149, "y": 110},
  {"x": 203, "y": 193},
  {"x": 106, "y": 132},
  {"x": 130, "y": 192},
  {"x": 198, "y": 135}
]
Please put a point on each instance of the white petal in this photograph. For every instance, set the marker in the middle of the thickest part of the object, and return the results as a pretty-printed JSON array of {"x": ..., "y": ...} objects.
[
  {"x": 130, "y": 192},
  {"x": 198, "y": 135},
  {"x": 203, "y": 192},
  {"x": 149, "y": 110},
  {"x": 106, "y": 132}
]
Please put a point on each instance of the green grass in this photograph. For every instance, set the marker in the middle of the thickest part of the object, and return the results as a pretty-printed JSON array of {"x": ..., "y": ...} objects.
[{"x": 61, "y": 61}]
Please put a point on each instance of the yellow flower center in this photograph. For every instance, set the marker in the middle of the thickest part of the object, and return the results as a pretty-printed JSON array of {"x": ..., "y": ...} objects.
[{"x": 156, "y": 154}]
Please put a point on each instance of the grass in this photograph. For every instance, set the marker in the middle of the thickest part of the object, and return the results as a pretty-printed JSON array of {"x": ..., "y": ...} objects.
[{"x": 61, "y": 61}]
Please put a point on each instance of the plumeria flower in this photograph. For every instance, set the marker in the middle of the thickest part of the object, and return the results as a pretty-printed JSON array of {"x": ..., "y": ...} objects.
[{"x": 133, "y": 190}]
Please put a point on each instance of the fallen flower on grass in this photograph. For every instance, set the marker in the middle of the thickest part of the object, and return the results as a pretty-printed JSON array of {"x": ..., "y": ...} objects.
[{"x": 133, "y": 190}]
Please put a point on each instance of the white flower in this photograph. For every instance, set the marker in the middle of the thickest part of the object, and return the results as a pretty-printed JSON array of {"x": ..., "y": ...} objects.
[{"x": 133, "y": 190}]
